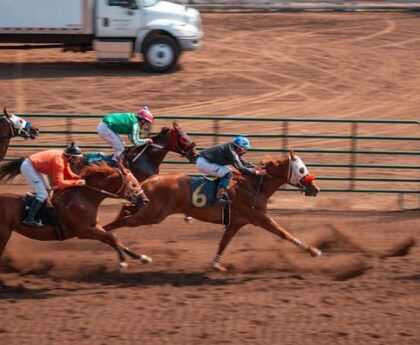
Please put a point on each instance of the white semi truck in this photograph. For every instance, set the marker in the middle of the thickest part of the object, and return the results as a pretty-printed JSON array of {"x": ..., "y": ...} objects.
[{"x": 115, "y": 29}]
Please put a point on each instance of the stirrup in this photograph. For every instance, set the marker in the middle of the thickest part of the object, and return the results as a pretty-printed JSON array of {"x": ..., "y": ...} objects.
[{"x": 222, "y": 202}]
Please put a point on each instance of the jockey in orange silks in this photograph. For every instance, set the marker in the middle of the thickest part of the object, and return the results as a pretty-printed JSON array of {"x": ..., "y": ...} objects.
[{"x": 56, "y": 165}]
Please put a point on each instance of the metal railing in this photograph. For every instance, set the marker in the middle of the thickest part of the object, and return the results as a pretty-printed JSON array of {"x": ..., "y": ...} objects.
[{"x": 392, "y": 156}]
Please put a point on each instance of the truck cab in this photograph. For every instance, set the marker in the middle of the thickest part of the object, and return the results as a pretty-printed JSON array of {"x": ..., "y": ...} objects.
[
  {"x": 116, "y": 29},
  {"x": 159, "y": 30}
]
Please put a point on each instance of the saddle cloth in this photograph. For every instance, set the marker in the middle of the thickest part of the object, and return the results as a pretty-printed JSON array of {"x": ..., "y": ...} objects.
[
  {"x": 203, "y": 195},
  {"x": 203, "y": 191},
  {"x": 46, "y": 215},
  {"x": 98, "y": 157}
]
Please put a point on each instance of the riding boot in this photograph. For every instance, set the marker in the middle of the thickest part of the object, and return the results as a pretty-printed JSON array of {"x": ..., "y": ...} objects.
[
  {"x": 222, "y": 189},
  {"x": 113, "y": 163},
  {"x": 30, "y": 220}
]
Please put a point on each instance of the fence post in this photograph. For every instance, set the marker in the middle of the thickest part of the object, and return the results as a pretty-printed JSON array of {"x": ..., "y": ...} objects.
[
  {"x": 69, "y": 130},
  {"x": 216, "y": 130},
  {"x": 353, "y": 156},
  {"x": 285, "y": 141}
]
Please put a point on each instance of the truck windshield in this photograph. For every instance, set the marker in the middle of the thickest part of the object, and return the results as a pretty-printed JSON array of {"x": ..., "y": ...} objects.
[{"x": 148, "y": 3}]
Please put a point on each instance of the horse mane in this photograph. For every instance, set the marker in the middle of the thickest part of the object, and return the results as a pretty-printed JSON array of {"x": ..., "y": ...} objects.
[
  {"x": 163, "y": 131},
  {"x": 95, "y": 170},
  {"x": 272, "y": 161}
]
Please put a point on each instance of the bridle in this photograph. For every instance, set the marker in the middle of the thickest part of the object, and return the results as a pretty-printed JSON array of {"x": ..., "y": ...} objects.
[
  {"x": 174, "y": 143},
  {"x": 14, "y": 131},
  {"x": 125, "y": 183}
]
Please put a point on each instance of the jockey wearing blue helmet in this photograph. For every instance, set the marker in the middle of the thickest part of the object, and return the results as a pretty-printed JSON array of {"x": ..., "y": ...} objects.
[
  {"x": 242, "y": 142},
  {"x": 213, "y": 161}
]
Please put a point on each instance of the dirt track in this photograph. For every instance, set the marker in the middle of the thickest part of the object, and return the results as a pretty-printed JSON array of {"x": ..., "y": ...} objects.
[{"x": 364, "y": 290}]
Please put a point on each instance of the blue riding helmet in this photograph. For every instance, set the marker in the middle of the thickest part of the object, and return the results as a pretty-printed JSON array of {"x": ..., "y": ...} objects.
[
  {"x": 73, "y": 151},
  {"x": 242, "y": 142}
]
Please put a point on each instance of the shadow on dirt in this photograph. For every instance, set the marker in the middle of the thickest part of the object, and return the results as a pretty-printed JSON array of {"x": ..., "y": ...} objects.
[
  {"x": 144, "y": 279},
  {"x": 75, "y": 69},
  {"x": 111, "y": 280},
  {"x": 21, "y": 292}
]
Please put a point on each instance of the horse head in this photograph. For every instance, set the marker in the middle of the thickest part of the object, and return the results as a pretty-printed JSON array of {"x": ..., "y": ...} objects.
[
  {"x": 19, "y": 127},
  {"x": 117, "y": 182},
  {"x": 181, "y": 143},
  {"x": 300, "y": 177},
  {"x": 294, "y": 172}
]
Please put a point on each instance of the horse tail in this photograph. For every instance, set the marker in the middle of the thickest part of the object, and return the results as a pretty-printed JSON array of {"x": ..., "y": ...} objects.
[{"x": 9, "y": 170}]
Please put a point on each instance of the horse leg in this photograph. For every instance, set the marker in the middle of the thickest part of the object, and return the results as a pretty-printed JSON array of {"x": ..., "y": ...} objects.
[
  {"x": 269, "y": 224},
  {"x": 97, "y": 233},
  {"x": 144, "y": 259},
  {"x": 230, "y": 231},
  {"x": 145, "y": 216},
  {"x": 4, "y": 238}
]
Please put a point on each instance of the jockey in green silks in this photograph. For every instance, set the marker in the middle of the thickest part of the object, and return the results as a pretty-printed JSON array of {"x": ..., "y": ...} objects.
[{"x": 125, "y": 123}]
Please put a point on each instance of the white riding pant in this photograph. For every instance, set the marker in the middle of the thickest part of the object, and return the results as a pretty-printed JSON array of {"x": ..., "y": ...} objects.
[
  {"x": 35, "y": 179},
  {"x": 111, "y": 138},
  {"x": 212, "y": 169}
]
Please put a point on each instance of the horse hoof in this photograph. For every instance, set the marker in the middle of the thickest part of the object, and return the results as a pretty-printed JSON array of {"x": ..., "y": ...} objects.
[
  {"x": 218, "y": 267},
  {"x": 144, "y": 259},
  {"x": 123, "y": 266},
  {"x": 188, "y": 219},
  {"x": 315, "y": 251}
]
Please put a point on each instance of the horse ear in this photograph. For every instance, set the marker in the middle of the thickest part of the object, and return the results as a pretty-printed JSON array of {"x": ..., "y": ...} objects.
[
  {"x": 292, "y": 155},
  {"x": 6, "y": 113},
  {"x": 175, "y": 125}
]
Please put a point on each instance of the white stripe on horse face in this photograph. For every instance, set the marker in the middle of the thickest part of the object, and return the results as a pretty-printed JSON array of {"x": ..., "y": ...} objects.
[
  {"x": 298, "y": 170},
  {"x": 17, "y": 122}
]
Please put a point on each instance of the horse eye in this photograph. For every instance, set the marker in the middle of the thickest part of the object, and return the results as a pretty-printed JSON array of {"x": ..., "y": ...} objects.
[{"x": 301, "y": 171}]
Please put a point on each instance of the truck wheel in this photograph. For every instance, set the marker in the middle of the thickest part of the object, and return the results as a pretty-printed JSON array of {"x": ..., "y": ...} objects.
[{"x": 161, "y": 54}]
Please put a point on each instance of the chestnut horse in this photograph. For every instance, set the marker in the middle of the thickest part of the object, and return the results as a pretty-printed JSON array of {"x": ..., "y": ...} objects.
[
  {"x": 170, "y": 194},
  {"x": 76, "y": 208},
  {"x": 14, "y": 126}
]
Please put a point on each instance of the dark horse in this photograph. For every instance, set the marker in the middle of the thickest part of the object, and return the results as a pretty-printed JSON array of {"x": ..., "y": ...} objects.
[
  {"x": 14, "y": 126},
  {"x": 76, "y": 208},
  {"x": 144, "y": 161},
  {"x": 171, "y": 194}
]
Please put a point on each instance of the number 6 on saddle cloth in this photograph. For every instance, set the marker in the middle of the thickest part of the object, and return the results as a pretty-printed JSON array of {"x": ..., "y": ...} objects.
[{"x": 203, "y": 195}]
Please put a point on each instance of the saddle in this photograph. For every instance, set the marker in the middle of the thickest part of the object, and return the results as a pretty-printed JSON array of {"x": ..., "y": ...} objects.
[{"x": 46, "y": 215}]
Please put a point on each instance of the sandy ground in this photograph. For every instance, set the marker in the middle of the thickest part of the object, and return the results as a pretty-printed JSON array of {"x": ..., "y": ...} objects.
[{"x": 363, "y": 290}]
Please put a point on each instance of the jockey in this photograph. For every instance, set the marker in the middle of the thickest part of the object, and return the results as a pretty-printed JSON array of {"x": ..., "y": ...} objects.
[
  {"x": 125, "y": 123},
  {"x": 213, "y": 161},
  {"x": 56, "y": 165}
]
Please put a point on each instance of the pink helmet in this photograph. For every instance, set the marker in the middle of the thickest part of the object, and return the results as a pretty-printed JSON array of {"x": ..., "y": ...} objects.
[{"x": 145, "y": 114}]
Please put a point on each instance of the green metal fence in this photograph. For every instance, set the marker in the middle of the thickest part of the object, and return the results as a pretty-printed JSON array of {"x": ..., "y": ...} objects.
[{"x": 349, "y": 155}]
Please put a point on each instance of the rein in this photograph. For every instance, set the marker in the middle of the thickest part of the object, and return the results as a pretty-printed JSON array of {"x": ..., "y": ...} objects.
[
  {"x": 113, "y": 195},
  {"x": 257, "y": 193},
  {"x": 144, "y": 149}
]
